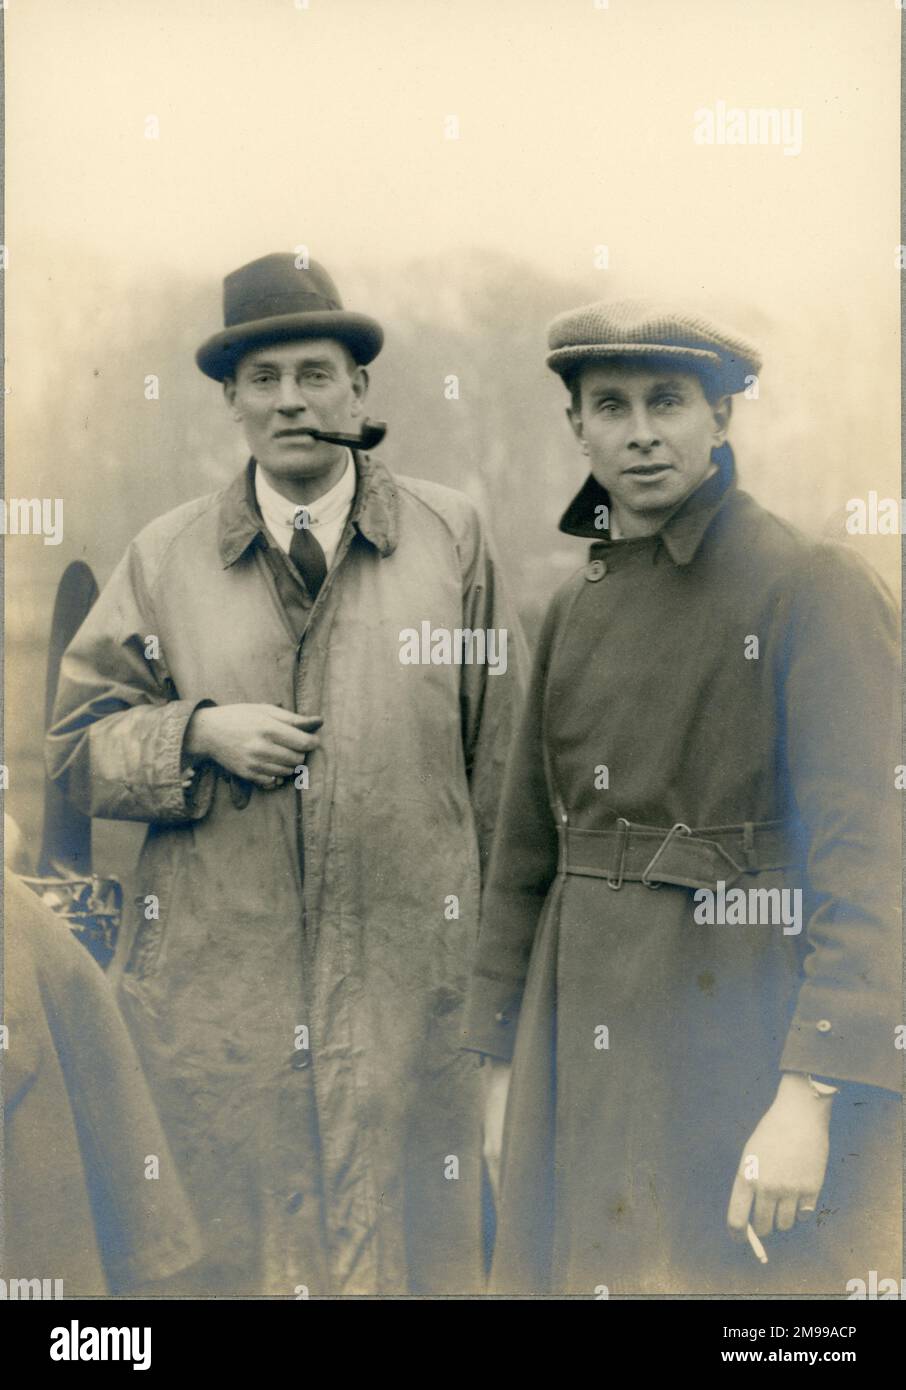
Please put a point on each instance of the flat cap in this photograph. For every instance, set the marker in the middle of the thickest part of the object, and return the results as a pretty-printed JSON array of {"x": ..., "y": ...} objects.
[{"x": 638, "y": 328}]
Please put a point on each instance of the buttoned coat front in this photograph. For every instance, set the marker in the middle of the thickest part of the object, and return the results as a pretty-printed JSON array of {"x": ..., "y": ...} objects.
[
  {"x": 300, "y": 955},
  {"x": 726, "y": 672}
]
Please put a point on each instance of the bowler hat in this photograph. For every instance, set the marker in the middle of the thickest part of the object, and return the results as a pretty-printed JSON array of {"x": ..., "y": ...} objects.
[
  {"x": 635, "y": 329},
  {"x": 273, "y": 300}
]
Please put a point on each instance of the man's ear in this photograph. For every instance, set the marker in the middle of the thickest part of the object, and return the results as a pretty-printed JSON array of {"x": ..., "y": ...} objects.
[
  {"x": 229, "y": 392},
  {"x": 722, "y": 409},
  {"x": 360, "y": 383},
  {"x": 575, "y": 423}
]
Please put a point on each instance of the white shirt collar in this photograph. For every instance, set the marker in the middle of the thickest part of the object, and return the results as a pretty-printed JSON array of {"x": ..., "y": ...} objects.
[{"x": 279, "y": 513}]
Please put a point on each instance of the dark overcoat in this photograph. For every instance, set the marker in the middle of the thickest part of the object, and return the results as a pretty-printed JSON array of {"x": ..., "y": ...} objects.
[{"x": 731, "y": 677}]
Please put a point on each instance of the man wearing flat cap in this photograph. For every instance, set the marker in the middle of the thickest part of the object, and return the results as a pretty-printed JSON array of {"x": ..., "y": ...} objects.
[
  {"x": 690, "y": 939},
  {"x": 318, "y": 812}
]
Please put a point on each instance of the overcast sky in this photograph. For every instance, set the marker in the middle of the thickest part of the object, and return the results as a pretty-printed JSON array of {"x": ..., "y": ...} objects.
[{"x": 325, "y": 126}]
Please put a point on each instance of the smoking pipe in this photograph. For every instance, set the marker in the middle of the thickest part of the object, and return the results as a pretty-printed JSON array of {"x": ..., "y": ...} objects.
[{"x": 369, "y": 437}]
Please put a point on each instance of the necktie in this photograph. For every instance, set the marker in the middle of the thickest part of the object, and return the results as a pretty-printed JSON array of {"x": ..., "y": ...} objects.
[{"x": 308, "y": 557}]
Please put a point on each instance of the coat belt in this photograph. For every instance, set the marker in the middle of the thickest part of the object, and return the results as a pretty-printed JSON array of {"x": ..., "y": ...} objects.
[{"x": 680, "y": 855}]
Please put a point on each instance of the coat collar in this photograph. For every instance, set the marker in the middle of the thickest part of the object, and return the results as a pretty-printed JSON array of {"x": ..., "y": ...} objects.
[
  {"x": 375, "y": 510},
  {"x": 683, "y": 532}
]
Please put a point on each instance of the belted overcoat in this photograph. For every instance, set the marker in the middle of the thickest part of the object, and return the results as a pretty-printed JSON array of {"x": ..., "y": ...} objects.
[{"x": 714, "y": 704}]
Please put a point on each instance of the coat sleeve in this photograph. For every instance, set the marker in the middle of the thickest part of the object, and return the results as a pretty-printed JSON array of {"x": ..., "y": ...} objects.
[
  {"x": 523, "y": 867},
  {"x": 840, "y": 695},
  {"x": 492, "y": 691},
  {"x": 116, "y": 739}
]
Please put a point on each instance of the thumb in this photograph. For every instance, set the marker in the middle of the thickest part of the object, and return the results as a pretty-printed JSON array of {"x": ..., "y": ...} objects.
[{"x": 740, "y": 1204}]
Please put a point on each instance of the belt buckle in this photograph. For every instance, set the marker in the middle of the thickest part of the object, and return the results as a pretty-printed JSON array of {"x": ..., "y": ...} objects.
[
  {"x": 617, "y": 883},
  {"x": 679, "y": 828}
]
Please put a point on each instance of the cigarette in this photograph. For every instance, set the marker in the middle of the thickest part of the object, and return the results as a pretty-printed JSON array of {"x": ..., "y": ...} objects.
[{"x": 757, "y": 1247}]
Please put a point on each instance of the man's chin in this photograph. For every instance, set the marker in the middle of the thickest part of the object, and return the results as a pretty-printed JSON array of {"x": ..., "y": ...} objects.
[
  {"x": 658, "y": 497},
  {"x": 301, "y": 463}
]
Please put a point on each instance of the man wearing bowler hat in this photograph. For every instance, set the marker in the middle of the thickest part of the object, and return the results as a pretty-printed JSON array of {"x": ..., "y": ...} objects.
[
  {"x": 318, "y": 811},
  {"x": 690, "y": 937}
]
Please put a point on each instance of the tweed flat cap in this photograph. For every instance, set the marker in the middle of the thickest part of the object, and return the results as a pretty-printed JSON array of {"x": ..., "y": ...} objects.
[{"x": 637, "y": 328}]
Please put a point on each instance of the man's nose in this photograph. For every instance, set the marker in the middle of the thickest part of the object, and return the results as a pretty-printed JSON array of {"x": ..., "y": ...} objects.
[
  {"x": 291, "y": 396},
  {"x": 642, "y": 432}
]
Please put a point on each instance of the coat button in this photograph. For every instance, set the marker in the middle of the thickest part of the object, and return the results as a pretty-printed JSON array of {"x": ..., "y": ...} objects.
[
  {"x": 501, "y": 1018},
  {"x": 823, "y": 1025},
  {"x": 294, "y": 1201},
  {"x": 301, "y": 1059},
  {"x": 595, "y": 570}
]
